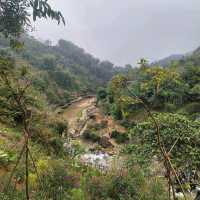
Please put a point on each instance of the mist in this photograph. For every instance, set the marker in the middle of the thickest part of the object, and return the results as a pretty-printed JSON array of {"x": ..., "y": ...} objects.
[{"x": 124, "y": 31}]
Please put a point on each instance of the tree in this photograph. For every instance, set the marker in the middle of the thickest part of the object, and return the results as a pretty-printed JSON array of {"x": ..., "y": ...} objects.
[
  {"x": 16, "y": 93},
  {"x": 16, "y": 102},
  {"x": 179, "y": 135},
  {"x": 15, "y": 16},
  {"x": 162, "y": 85}
]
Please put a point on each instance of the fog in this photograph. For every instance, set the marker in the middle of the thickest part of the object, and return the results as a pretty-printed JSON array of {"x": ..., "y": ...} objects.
[{"x": 124, "y": 31}]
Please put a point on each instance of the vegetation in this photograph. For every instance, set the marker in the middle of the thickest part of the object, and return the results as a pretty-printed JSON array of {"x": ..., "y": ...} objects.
[
  {"x": 62, "y": 72},
  {"x": 93, "y": 136},
  {"x": 14, "y": 17},
  {"x": 159, "y": 106},
  {"x": 40, "y": 158},
  {"x": 119, "y": 137}
]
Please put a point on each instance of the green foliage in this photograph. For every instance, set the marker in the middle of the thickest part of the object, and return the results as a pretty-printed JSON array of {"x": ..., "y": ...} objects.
[
  {"x": 14, "y": 16},
  {"x": 119, "y": 137},
  {"x": 169, "y": 107},
  {"x": 116, "y": 112},
  {"x": 59, "y": 126},
  {"x": 92, "y": 136},
  {"x": 190, "y": 109},
  {"x": 57, "y": 145},
  {"x": 4, "y": 158},
  {"x": 125, "y": 185},
  {"x": 63, "y": 71},
  {"x": 101, "y": 94},
  {"x": 106, "y": 107},
  {"x": 174, "y": 128},
  {"x": 127, "y": 123},
  {"x": 77, "y": 194},
  {"x": 15, "y": 91},
  {"x": 55, "y": 179}
]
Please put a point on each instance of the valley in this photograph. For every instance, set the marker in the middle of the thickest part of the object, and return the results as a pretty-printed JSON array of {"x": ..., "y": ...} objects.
[{"x": 75, "y": 126}]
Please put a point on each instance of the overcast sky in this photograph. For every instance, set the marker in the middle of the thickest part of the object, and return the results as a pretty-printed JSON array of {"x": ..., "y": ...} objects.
[{"x": 123, "y": 31}]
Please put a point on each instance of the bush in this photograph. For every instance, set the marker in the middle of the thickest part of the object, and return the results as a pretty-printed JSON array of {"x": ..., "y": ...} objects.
[
  {"x": 92, "y": 136},
  {"x": 77, "y": 194},
  {"x": 130, "y": 184},
  {"x": 76, "y": 149},
  {"x": 116, "y": 112},
  {"x": 60, "y": 126},
  {"x": 106, "y": 107},
  {"x": 119, "y": 137},
  {"x": 101, "y": 94},
  {"x": 55, "y": 177},
  {"x": 127, "y": 124},
  {"x": 57, "y": 145}
]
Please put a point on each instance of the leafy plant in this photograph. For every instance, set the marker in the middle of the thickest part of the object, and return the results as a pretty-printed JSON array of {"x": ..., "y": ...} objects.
[
  {"x": 93, "y": 136},
  {"x": 179, "y": 135},
  {"x": 120, "y": 137}
]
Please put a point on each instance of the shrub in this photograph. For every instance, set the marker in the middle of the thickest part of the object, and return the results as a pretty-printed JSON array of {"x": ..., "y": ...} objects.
[
  {"x": 119, "y": 137},
  {"x": 57, "y": 144},
  {"x": 76, "y": 149},
  {"x": 59, "y": 125},
  {"x": 101, "y": 94},
  {"x": 92, "y": 136},
  {"x": 54, "y": 176},
  {"x": 116, "y": 112},
  {"x": 127, "y": 124},
  {"x": 77, "y": 194},
  {"x": 106, "y": 107},
  {"x": 130, "y": 184}
]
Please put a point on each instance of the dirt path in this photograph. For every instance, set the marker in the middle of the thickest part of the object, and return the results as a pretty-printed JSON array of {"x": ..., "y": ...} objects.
[{"x": 73, "y": 112}]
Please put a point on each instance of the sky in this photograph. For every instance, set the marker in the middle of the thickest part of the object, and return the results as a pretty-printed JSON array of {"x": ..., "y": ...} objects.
[{"x": 123, "y": 31}]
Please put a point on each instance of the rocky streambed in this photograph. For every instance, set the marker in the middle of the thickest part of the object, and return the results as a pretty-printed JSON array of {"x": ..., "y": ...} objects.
[{"x": 91, "y": 129}]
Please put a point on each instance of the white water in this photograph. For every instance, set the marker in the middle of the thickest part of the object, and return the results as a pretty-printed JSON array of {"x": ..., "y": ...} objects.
[{"x": 99, "y": 160}]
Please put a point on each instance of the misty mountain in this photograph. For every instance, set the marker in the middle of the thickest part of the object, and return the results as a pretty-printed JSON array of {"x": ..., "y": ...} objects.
[
  {"x": 63, "y": 70},
  {"x": 168, "y": 60}
]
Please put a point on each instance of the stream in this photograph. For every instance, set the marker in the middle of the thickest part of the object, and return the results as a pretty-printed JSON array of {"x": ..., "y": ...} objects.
[{"x": 77, "y": 116}]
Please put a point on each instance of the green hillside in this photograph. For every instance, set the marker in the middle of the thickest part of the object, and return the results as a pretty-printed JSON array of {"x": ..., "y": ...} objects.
[{"x": 63, "y": 71}]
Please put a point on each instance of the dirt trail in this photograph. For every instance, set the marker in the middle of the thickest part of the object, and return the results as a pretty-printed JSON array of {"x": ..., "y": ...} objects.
[{"x": 73, "y": 112}]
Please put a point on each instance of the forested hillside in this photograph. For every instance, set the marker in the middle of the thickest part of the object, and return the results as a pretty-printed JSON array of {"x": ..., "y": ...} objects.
[
  {"x": 172, "y": 88},
  {"x": 160, "y": 107},
  {"x": 63, "y": 71}
]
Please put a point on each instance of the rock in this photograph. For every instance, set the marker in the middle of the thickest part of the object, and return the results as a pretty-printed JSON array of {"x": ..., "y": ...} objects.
[
  {"x": 99, "y": 160},
  {"x": 105, "y": 142}
]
